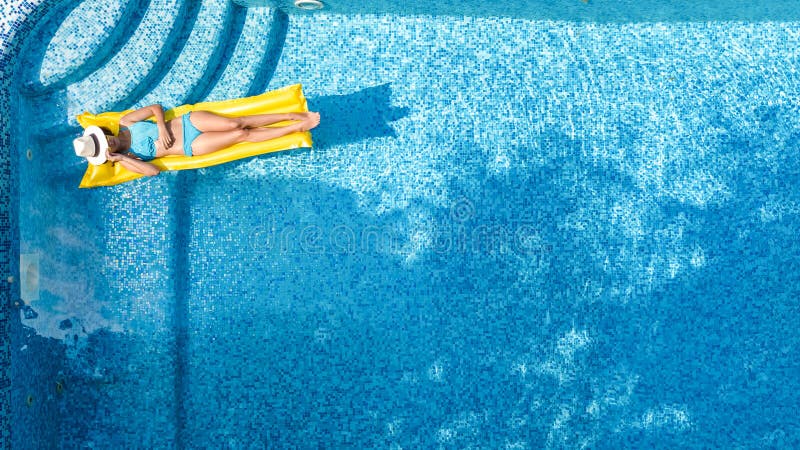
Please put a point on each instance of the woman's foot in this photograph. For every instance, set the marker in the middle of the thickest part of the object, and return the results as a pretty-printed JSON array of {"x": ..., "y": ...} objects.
[{"x": 310, "y": 121}]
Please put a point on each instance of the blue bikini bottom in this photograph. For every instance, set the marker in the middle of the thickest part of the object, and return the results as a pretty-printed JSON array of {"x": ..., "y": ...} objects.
[{"x": 190, "y": 133}]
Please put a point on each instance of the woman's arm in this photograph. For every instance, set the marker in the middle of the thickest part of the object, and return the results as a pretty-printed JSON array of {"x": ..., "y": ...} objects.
[
  {"x": 145, "y": 113},
  {"x": 134, "y": 165}
]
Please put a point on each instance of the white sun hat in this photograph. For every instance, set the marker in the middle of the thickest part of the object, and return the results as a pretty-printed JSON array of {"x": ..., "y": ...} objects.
[{"x": 92, "y": 145}]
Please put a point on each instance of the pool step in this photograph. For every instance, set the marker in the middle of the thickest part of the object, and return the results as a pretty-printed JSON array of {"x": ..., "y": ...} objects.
[
  {"x": 86, "y": 39},
  {"x": 142, "y": 62},
  {"x": 202, "y": 59},
  {"x": 255, "y": 57},
  {"x": 183, "y": 51},
  {"x": 33, "y": 51},
  {"x": 238, "y": 52}
]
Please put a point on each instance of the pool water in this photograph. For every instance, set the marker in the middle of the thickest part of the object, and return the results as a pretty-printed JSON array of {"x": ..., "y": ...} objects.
[{"x": 510, "y": 233}]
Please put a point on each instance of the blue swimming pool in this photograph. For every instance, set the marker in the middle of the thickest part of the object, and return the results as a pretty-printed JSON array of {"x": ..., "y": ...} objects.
[{"x": 522, "y": 225}]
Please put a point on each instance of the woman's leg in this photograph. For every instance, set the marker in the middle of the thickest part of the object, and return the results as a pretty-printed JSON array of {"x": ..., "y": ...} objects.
[
  {"x": 213, "y": 141},
  {"x": 206, "y": 121}
]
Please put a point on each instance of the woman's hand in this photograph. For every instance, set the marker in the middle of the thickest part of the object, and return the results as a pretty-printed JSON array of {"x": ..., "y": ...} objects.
[
  {"x": 165, "y": 137},
  {"x": 114, "y": 156},
  {"x": 134, "y": 164}
]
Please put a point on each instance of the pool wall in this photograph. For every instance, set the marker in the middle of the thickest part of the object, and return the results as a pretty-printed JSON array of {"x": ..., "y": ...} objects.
[
  {"x": 20, "y": 18},
  {"x": 570, "y": 10},
  {"x": 17, "y": 18}
]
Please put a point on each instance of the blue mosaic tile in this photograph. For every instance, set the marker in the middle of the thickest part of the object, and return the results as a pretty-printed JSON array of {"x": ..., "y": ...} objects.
[
  {"x": 254, "y": 57},
  {"x": 16, "y": 19},
  {"x": 548, "y": 229},
  {"x": 109, "y": 87},
  {"x": 79, "y": 37},
  {"x": 621, "y": 11},
  {"x": 120, "y": 360},
  {"x": 199, "y": 59}
]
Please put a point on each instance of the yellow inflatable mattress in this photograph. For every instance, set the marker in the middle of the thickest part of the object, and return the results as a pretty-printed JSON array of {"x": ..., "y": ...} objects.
[{"x": 284, "y": 100}]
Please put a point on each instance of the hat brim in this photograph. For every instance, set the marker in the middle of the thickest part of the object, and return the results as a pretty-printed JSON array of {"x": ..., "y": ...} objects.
[{"x": 102, "y": 145}]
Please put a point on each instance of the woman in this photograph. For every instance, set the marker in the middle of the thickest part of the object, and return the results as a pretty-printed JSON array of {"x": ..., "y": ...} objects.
[{"x": 195, "y": 133}]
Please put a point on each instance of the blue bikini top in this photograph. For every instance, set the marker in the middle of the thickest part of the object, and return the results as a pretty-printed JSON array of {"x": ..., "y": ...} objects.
[{"x": 143, "y": 139}]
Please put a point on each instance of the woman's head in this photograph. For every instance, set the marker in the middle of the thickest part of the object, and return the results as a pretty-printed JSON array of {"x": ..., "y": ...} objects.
[
  {"x": 112, "y": 140},
  {"x": 92, "y": 145}
]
